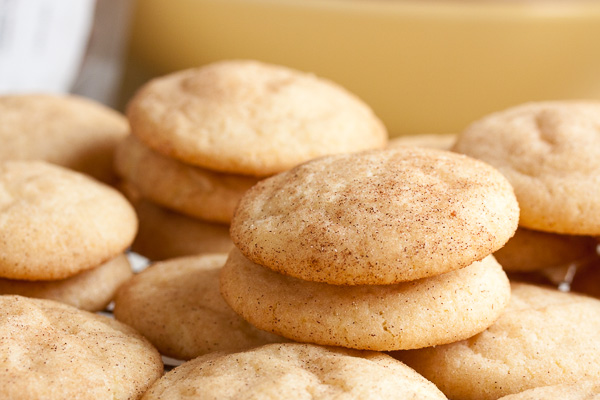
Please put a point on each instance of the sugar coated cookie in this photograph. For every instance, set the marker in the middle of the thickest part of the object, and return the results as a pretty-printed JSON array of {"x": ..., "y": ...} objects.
[
  {"x": 589, "y": 390},
  {"x": 247, "y": 117},
  {"x": 176, "y": 304},
  {"x": 90, "y": 290},
  {"x": 294, "y": 371},
  {"x": 550, "y": 152},
  {"x": 544, "y": 337},
  {"x": 55, "y": 223},
  {"x": 197, "y": 192},
  {"x": 67, "y": 130},
  {"x": 530, "y": 250},
  {"x": 377, "y": 217},
  {"x": 409, "y": 315},
  {"x": 164, "y": 234},
  {"x": 49, "y": 350}
]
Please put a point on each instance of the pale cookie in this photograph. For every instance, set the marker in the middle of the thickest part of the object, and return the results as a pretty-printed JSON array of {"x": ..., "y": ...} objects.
[
  {"x": 377, "y": 217},
  {"x": 577, "y": 391},
  {"x": 71, "y": 131},
  {"x": 442, "y": 141},
  {"x": 294, "y": 371},
  {"x": 55, "y": 223},
  {"x": 49, "y": 350},
  {"x": 177, "y": 305},
  {"x": 90, "y": 290},
  {"x": 550, "y": 152},
  {"x": 544, "y": 337},
  {"x": 197, "y": 192},
  {"x": 530, "y": 250},
  {"x": 164, "y": 234},
  {"x": 408, "y": 315},
  {"x": 246, "y": 117}
]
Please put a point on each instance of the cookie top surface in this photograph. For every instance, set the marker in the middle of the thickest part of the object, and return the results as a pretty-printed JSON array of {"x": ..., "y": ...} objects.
[
  {"x": 197, "y": 320},
  {"x": 251, "y": 118},
  {"x": 294, "y": 371},
  {"x": 409, "y": 315},
  {"x": 197, "y": 192},
  {"x": 165, "y": 234},
  {"x": 89, "y": 290},
  {"x": 530, "y": 250},
  {"x": 544, "y": 337},
  {"x": 55, "y": 222},
  {"x": 71, "y": 131},
  {"x": 52, "y": 351},
  {"x": 576, "y": 391},
  {"x": 550, "y": 152},
  {"x": 376, "y": 217}
]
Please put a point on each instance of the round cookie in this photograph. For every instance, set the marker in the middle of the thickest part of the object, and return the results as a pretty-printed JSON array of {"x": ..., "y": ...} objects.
[
  {"x": 577, "y": 391},
  {"x": 197, "y": 320},
  {"x": 55, "y": 223},
  {"x": 49, "y": 350},
  {"x": 550, "y": 152},
  {"x": 91, "y": 290},
  {"x": 544, "y": 337},
  {"x": 294, "y": 371},
  {"x": 530, "y": 250},
  {"x": 193, "y": 191},
  {"x": 247, "y": 117},
  {"x": 164, "y": 234},
  {"x": 442, "y": 141},
  {"x": 409, "y": 315},
  {"x": 67, "y": 130},
  {"x": 377, "y": 217}
]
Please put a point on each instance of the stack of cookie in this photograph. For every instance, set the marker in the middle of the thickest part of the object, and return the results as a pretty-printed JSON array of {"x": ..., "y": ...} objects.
[
  {"x": 62, "y": 235},
  {"x": 377, "y": 250},
  {"x": 550, "y": 152},
  {"x": 202, "y": 137}
]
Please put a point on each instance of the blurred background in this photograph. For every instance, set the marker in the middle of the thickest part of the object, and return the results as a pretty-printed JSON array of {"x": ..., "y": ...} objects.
[{"x": 424, "y": 66}]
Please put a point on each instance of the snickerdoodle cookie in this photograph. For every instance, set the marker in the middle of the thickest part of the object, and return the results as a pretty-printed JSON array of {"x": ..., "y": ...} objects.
[
  {"x": 587, "y": 390},
  {"x": 409, "y": 315},
  {"x": 194, "y": 191},
  {"x": 376, "y": 217},
  {"x": 164, "y": 234},
  {"x": 90, "y": 290},
  {"x": 248, "y": 117},
  {"x": 49, "y": 350},
  {"x": 550, "y": 152},
  {"x": 177, "y": 305},
  {"x": 294, "y": 371},
  {"x": 55, "y": 223},
  {"x": 544, "y": 337},
  {"x": 67, "y": 130},
  {"x": 530, "y": 250}
]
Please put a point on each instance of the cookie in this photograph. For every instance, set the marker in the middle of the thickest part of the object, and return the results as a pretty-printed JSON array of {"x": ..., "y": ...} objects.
[
  {"x": 55, "y": 223},
  {"x": 550, "y": 152},
  {"x": 164, "y": 234},
  {"x": 90, "y": 290},
  {"x": 442, "y": 141},
  {"x": 50, "y": 350},
  {"x": 294, "y": 371},
  {"x": 176, "y": 304},
  {"x": 378, "y": 217},
  {"x": 530, "y": 250},
  {"x": 197, "y": 192},
  {"x": 67, "y": 130},
  {"x": 248, "y": 117},
  {"x": 544, "y": 337},
  {"x": 576, "y": 391},
  {"x": 408, "y": 315}
]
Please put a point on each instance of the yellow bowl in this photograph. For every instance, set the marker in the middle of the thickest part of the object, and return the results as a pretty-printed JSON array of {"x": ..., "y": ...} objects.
[{"x": 424, "y": 66}]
